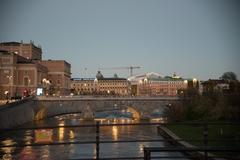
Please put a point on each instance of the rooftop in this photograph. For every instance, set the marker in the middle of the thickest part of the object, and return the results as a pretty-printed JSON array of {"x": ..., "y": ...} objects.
[
  {"x": 112, "y": 78},
  {"x": 13, "y": 43},
  {"x": 82, "y": 79},
  {"x": 152, "y": 76}
]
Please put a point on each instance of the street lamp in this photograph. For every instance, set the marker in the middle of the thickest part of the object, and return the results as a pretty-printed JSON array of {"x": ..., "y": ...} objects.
[
  {"x": 194, "y": 82},
  {"x": 45, "y": 85},
  {"x": 9, "y": 92}
]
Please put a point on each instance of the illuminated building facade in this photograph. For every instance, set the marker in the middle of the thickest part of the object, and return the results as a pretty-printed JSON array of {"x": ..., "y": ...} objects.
[
  {"x": 23, "y": 71},
  {"x": 152, "y": 84},
  {"x": 19, "y": 76},
  {"x": 101, "y": 86},
  {"x": 59, "y": 76},
  {"x": 83, "y": 86},
  {"x": 113, "y": 86}
]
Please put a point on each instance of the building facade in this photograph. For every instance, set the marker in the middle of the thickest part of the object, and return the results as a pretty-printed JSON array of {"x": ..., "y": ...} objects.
[
  {"x": 113, "y": 86},
  {"x": 23, "y": 71},
  {"x": 161, "y": 87},
  {"x": 83, "y": 86},
  {"x": 19, "y": 76},
  {"x": 152, "y": 84},
  {"x": 213, "y": 85},
  {"x": 26, "y": 50},
  {"x": 59, "y": 76},
  {"x": 101, "y": 86}
]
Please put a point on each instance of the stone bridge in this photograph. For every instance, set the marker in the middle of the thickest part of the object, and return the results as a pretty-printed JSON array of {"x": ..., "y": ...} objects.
[
  {"x": 12, "y": 115},
  {"x": 141, "y": 107}
]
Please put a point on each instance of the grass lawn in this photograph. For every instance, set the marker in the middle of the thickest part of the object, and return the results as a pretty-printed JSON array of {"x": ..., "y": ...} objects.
[{"x": 219, "y": 135}]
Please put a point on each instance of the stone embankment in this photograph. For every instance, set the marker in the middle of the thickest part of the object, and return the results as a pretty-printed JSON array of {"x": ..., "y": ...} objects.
[
  {"x": 16, "y": 113},
  {"x": 175, "y": 140}
]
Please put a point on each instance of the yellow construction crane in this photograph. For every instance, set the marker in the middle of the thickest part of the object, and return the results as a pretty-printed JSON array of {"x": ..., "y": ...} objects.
[{"x": 130, "y": 68}]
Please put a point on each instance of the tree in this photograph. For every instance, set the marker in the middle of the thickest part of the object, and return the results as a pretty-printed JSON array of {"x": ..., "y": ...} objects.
[{"x": 229, "y": 76}]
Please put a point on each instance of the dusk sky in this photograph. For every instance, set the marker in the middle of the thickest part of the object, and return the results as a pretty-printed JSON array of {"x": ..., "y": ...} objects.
[{"x": 194, "y": 38}]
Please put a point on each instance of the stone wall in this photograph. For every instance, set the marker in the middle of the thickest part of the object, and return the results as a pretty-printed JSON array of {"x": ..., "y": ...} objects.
[{"x": 18, "y": 113}]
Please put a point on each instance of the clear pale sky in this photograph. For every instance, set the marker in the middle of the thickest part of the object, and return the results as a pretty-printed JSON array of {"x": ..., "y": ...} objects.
[{"x": 194, "y": 38}]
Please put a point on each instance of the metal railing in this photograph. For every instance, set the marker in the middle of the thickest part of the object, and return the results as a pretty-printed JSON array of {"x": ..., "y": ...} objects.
[{"x": 147, "y": 150}]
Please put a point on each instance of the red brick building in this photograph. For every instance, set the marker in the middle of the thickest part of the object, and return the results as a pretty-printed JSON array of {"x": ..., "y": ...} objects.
[
  {"x": 19, "y": 76},
  {"x": 59, "y": 75},
  {"x": 27, "y": 50},
  {"x": 22, "y": 71}
]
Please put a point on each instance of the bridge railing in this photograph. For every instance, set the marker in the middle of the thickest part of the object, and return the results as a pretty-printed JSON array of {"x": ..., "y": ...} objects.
[{"x": 204, "y": 150}]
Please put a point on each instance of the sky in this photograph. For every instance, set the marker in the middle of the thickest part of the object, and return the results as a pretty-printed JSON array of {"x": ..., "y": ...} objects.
[{"x": 194, "y": 38}]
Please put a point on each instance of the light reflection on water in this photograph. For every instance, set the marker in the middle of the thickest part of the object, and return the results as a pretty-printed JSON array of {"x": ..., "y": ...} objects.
[{"x": 82, "y": 134}]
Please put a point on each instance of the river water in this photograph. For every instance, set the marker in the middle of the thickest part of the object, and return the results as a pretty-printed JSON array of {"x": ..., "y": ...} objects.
[{"x": 79, "y": 151}]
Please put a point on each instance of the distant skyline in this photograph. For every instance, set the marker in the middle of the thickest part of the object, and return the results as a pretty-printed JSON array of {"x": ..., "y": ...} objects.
[{"x": 194, "y": 38}]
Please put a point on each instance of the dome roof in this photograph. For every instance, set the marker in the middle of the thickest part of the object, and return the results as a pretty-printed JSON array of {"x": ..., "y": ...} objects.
[{"x": 99, "y": 75}]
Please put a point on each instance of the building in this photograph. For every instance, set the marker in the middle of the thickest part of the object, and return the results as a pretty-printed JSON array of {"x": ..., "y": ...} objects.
[
  {"x": 101, "y": 86},
  {"x": 24, "y": 69},
  {"x": 83, "y": 86},
  {"x": 26, "y": 50},
  {"x": 113, "y": 86},
  {"x": 153, "y": 84},
  {"x": 213, "y": 85},
  {"x": 19, "y": 76},
  {"x": 59, "y": 76}
]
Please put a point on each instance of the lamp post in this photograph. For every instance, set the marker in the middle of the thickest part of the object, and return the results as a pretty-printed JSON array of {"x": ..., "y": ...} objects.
[
  {"x": 45, "y": 85},
  {"x": 9, "y": 86},
  {"x": 194, "y": 82}
]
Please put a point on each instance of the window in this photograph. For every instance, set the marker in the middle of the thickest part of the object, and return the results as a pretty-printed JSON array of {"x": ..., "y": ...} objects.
[
  {"x": 26, "y": 81},
  {"x": 6, "y": 60}
]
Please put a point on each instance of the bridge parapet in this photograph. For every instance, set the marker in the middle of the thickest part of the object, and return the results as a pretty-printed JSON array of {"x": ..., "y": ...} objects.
[
  {"x": 92, "y": 98},
  {"x": 145, "y": 106},
  {"x": 44, "y": 107}
]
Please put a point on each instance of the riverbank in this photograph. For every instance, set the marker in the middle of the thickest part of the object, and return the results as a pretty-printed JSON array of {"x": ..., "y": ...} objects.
[{"x": 218, "y": 135}]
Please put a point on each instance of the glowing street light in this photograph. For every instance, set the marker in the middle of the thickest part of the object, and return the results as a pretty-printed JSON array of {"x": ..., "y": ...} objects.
[
  {"x": 194, "y": 82},
  {"x": 10, "y": 86},
  {"x": 185, "y": 82}
]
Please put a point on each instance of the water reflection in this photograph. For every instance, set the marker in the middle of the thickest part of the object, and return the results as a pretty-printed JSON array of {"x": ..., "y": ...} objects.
[
  {"x": 28, "y": 153},
  {"x": 115, "y": 133},
  {"x": 71, "y": 135},
  {"x": 8, "y": 150},
  {"x": 61, "y": 131},
  {"x": 77, "y": 151}
]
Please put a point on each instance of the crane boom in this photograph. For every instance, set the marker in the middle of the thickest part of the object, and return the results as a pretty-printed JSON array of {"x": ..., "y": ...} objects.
[{"x": 130, "y": 68}]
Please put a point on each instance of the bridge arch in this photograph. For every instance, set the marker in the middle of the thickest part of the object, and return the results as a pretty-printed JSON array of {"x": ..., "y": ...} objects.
[{"x": 135, "y": 114}]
